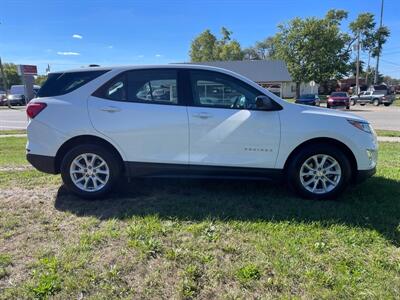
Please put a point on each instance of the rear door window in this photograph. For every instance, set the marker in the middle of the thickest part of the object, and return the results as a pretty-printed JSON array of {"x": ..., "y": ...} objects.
[
  {"x": 153, "y": 86},
  {"x": 62, "y": 83}
]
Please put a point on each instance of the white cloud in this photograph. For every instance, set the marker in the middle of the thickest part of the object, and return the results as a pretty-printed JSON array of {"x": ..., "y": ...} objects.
[
  {"x": 110, "y": 47},
  {"x": 68, "y": 53},
  {"x": 158, "y": 55},
  {"x": 140, "y": 56},
  {"x": 77, "y": 36}
]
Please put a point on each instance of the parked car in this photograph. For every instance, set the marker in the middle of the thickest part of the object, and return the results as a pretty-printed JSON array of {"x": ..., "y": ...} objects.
[
  {"x": 338, "y": 99},
  {"x": 373, "y": 97},
  {"x": 93, "y": 127},
  {"x": 3, "y": 98},
  {"x": 308, "y": 99},
  {"x": 17, "y": 94}
]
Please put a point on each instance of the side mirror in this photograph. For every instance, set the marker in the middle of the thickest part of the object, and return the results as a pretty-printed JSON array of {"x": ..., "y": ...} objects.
[{"x": 265, "y": 103}]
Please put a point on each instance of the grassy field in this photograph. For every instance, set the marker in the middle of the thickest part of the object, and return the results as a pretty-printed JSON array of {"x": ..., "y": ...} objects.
[
  {"x": 16, "y": 131},
  {"x": 198, "y": 239},
  {"x": 392, "y": 133}
]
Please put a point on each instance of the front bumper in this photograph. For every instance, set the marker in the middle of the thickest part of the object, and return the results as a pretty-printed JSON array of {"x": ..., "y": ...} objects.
[
  {"x": 42, "y": 163},
  {"x": 339, "y": 103},
  {"x": 362, "y": 175}
]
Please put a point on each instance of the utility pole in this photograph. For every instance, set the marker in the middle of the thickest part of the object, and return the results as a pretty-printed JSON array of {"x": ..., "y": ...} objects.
[
  {"x": 379, "y": 49},
  {"x": 5, "y": 84},
  {"x": 358, "y": 65}
]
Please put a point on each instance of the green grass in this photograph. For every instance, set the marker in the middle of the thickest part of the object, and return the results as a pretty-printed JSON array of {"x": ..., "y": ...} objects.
[
  {"x": 12, "y": 131},
  {"x": 205, "y": 239},
  {"x": 391, "y": 133},
  {"x": 12, "y": 151}
]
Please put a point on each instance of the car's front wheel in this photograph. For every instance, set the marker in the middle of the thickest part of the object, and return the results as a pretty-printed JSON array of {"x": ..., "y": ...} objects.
[
  {"x": 376, "y": 102},
  {"x": 387, "y": 104},
  {"x": 90, "y": 171},
  {"x": 319, "y": 171}
]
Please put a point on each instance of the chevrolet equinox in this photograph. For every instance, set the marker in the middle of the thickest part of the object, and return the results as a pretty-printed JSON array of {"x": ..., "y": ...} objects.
[{"x": 98, "y": 124}]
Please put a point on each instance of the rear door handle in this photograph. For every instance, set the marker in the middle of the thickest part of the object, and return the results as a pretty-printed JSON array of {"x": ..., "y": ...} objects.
[
  {"x": 202, "y": 115},
  {"x": 110, "y": 109}
]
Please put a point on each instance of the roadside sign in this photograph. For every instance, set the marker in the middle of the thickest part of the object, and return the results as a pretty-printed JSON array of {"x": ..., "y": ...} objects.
[
  {"x": 27, "y": 70},
  {"x": 312, "y": 83}
]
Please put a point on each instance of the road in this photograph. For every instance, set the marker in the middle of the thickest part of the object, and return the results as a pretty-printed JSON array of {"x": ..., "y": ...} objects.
[
  {"x": 380, "y": 117},
  {"x": 13, "y": 118}
]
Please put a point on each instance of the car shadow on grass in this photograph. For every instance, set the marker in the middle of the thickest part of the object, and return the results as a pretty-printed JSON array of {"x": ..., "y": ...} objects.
[{"x": 374, "y": 204}]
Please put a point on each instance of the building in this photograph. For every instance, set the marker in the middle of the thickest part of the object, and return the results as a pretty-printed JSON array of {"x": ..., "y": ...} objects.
[{"x": 271, "y": 74}]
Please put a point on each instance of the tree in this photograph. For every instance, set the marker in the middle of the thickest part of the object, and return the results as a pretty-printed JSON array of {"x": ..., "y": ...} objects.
[
  {"x": 391, "y": 81},
  {"x": 40, "y": 79},
  {"x": 203, "y": 47},
  {"x": 353, "y": 68},
  {"x": 206, "y": 47},
  {"x": 13, "y": 78},
  {"x": 313, "y": 49},
  {"x": 261, "y": 50}
]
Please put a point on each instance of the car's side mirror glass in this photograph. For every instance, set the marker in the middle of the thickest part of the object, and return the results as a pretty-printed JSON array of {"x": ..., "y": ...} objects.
[{"x": 265, "y": 103}]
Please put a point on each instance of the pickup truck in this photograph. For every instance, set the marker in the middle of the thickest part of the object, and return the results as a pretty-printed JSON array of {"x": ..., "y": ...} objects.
[{"x": 373, "y": 97}]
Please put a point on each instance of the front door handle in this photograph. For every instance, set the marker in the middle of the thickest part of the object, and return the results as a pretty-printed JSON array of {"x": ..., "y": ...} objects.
[
  {"x": 202, "y": 115},
  {"x": 110, "y": 109}
]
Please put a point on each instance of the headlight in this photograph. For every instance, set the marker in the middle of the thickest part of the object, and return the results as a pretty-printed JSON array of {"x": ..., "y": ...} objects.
[{"x": 364, "y": 126}]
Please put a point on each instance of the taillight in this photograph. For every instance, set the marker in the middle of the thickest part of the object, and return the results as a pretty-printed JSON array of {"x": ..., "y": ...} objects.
[{"x": 33, "y": 109}]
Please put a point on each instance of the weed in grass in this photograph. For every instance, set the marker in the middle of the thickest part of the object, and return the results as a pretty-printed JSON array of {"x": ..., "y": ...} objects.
[
  {"x": 89, "y": 240},
  {"x": 248, "y": 273},
  {"x": 46, "y": 279},
  {"x": 144, "y": 235},
  {"x": 190, "y": 284},
  {"x": 5, "y": 261}
]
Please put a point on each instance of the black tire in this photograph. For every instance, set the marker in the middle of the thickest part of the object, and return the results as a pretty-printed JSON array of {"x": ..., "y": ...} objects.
[
  {"x": 328, "y": 106},
  {"x": 347, "y": 107},
  {"x": 113, "y": 163},
  {"x": 294, "y": 167},
  {"x": 375, "y": 102},
  {"x": 362, "y": 104},
  {"x": 387, "y": 104}
]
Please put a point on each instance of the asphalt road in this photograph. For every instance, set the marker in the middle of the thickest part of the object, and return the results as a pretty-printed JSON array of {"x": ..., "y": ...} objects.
[
  {"x": 13, "y": 118},
  {"x": 380, "y": 117}
]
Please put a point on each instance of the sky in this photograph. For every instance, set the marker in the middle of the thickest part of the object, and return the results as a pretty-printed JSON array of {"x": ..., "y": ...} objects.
[{"x": 74, "y": 33}]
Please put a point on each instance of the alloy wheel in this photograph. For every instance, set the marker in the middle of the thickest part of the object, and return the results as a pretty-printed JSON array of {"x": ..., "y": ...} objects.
[
  {"x": 89, "y": 172},
  {"x": 320, "y": 174}
]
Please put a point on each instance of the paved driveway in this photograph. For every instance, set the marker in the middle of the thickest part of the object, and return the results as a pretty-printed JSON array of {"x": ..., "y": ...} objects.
[{"x": 381, "y": 117}]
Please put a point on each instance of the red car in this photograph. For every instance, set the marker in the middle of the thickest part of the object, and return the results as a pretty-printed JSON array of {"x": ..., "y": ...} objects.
[{"x": 338, "y": 99}]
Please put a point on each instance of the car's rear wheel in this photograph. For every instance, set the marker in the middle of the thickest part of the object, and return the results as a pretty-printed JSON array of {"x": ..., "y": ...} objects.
[
  {"x": 90, "y": 171},
  {"x": 319, "y": 171},
  {"x": 362, "y": 104},
  {"x": 387, "y": 104},
  {"x": 347, "y": 107},
  {"x": 376, "y": 102}
]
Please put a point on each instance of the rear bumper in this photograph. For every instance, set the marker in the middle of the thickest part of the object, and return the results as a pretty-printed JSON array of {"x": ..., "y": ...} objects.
[
  {"x": 42, "y": 163},
  {"x": 362, "y": 175}
]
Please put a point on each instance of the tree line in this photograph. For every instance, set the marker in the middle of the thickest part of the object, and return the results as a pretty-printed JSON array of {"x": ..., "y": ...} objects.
[{"x": 312, "y": 48}]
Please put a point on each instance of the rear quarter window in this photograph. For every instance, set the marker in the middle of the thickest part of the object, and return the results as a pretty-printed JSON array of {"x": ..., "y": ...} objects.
[{"x": 62, "y": 83}]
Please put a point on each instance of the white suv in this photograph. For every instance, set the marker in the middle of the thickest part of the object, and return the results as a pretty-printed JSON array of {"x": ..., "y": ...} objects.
[{"x": 95, "y": 125}]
